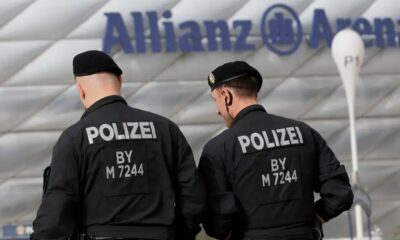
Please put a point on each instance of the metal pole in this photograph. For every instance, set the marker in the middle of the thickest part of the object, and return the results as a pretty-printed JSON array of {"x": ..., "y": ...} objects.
[
  {"x": 350, "y": 95},
  {"x": 348, "y": 53}
]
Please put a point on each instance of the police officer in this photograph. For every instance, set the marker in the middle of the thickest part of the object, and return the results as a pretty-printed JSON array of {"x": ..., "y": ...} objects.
[
  {"x": 119, "y": 172},
  {"x": 261, "y": 172}
]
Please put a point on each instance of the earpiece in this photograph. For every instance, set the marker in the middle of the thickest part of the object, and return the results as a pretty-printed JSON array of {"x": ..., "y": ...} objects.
[{"x": 228, "y": 100}]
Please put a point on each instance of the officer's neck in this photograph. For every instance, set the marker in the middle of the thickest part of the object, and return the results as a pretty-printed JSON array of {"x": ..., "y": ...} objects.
[
  {"x": 97, "y": 86},
  {"x": 94, "y": 98},
  {"x": 241, "y": 104}
]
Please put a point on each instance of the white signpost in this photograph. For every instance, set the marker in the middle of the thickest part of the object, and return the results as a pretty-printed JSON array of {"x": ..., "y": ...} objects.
[{"x": 348, "y": 53}]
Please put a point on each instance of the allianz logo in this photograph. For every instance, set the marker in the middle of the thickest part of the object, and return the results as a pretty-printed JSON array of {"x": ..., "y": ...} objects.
[{"x": 281, "y": 32}]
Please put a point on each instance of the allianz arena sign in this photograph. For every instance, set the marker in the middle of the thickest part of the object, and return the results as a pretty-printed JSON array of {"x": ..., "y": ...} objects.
[{"x": 281, "y": 32}]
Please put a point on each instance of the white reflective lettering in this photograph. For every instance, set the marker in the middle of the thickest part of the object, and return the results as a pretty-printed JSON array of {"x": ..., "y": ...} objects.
[
  {"x": 275, "y": 138},
  {"x": 145, "y": 130},
  {"x": 244, "y": 142},
  {"x": 153, "y": 130},
  {"x": 299, "y": 134},
  {"x": 292, "y": 135},
  {"x": 126, "y": 131},
  {"x": 269, "y": 144},
  {"x": 116, "y": 132},
  {"x": 110, "y": 172},
  {"x": 103, "y": 135},
  {"x": 265, "y": 180},
  {"x": 282, "y": 162},
  {"x": 128, "y": 155},
  {"x": 282, "y": 131},
  {"x": 92, "y": 132},
  {"x": 119, "y": 155},
  {"x": 121, "y": 170},
  {"x": 274, "y": 165},
  {"x": 257, "y": 144},
  {"x": 134, "y": 126}
]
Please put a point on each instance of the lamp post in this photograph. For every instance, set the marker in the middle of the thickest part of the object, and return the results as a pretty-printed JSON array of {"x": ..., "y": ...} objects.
[{"x": 348, "y": 53}]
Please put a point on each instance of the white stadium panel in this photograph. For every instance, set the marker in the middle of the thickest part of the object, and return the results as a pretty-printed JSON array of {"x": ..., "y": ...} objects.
[
  {"x": 389, "y": 106},
  {"x": 288, "y": 101},
  {"x": 11, "y": 8},
  {"x": 18, "y": 197},
  {"x": 203, "y": 109},
  {"x": 16, "y": 54},
  {"x": 195, "y": 66},
  {"x": 129, "y": 88},
  {"x": 254, "y": 9},
  {"x": 205, "y": 10},
  {"x": 373, "y": 177},
  {"x": 386, "y": 217},
  {"x": 23, "y": 150},
  {"x": 60, "y": 113},
  {"x": 27, "y": 216},
  {"x": 327, "y": 128},
  {"x": 198, "y": 135},
  {"x": 54, "y": 65},
  {"x": 166, "y": 98},
  {"x": 370, "y": 90},
  {"x": 63, "y": 111},
  {"x": 384, "y": 63},
  {"x": 322, "y": 64},
  {"x": 64, "y": 17},
  {"x": 94, "y": 26},
  {"x": 271, "y": 64},
  {"x": 388, "y": 189},
  {"x": 389, "y": 148},
  {"x": 183, "y": 16},
  {"x": 338, "y": 228},
  {"x": 269, "y": 85},
  {"x": 144, "y": 67},
  {"x": 19, "y": 103},
  {"x": 340, "y": 9},
  {"x": 370, "y": 134},
  {"x": 381, "y": 8},
  {"x": 36, "y": 169}
]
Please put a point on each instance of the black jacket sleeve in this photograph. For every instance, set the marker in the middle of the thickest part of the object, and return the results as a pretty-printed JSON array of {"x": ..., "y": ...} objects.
[
  {"x": 189, "y": 189},
  {"x": 332, "y": 181},
  {"x": 221, "y": 204},
  {"x": 56, "y": 215}
]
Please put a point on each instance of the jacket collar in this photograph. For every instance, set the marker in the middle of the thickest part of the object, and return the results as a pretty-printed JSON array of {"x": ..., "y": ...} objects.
[
  {"x": 247, "y": 110},
  {"x": 102, "y": 102}
]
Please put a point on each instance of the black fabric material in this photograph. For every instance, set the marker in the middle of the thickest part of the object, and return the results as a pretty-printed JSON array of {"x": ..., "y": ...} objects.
[
  {"x": 231, "y": 71},
  {"x": 145, "y": 232},
  {"x": 93, "y": 186},
  {"x": 46, "y": 176},
  {"x": 263, "y": 172},
  {"x": 94, "y": 61}
]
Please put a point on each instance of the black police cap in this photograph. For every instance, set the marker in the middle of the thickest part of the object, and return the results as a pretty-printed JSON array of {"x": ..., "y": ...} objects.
[
  {"x": 94, "y": 61},
  {"x": 231, "y": 71}
]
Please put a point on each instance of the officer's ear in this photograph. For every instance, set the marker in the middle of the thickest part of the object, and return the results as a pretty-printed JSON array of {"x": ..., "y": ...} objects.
[
  {"x": 223, "y": 92},
  {"x": 226, "y": 93},
  {"x": 119, "y": 81},
  {"x": 81, "y": 91}
]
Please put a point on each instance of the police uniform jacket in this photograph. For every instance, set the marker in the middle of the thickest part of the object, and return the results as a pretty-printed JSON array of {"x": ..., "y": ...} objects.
[
  {"x": 261, "y": 173},
  {"x": 119, "y": 172}
]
